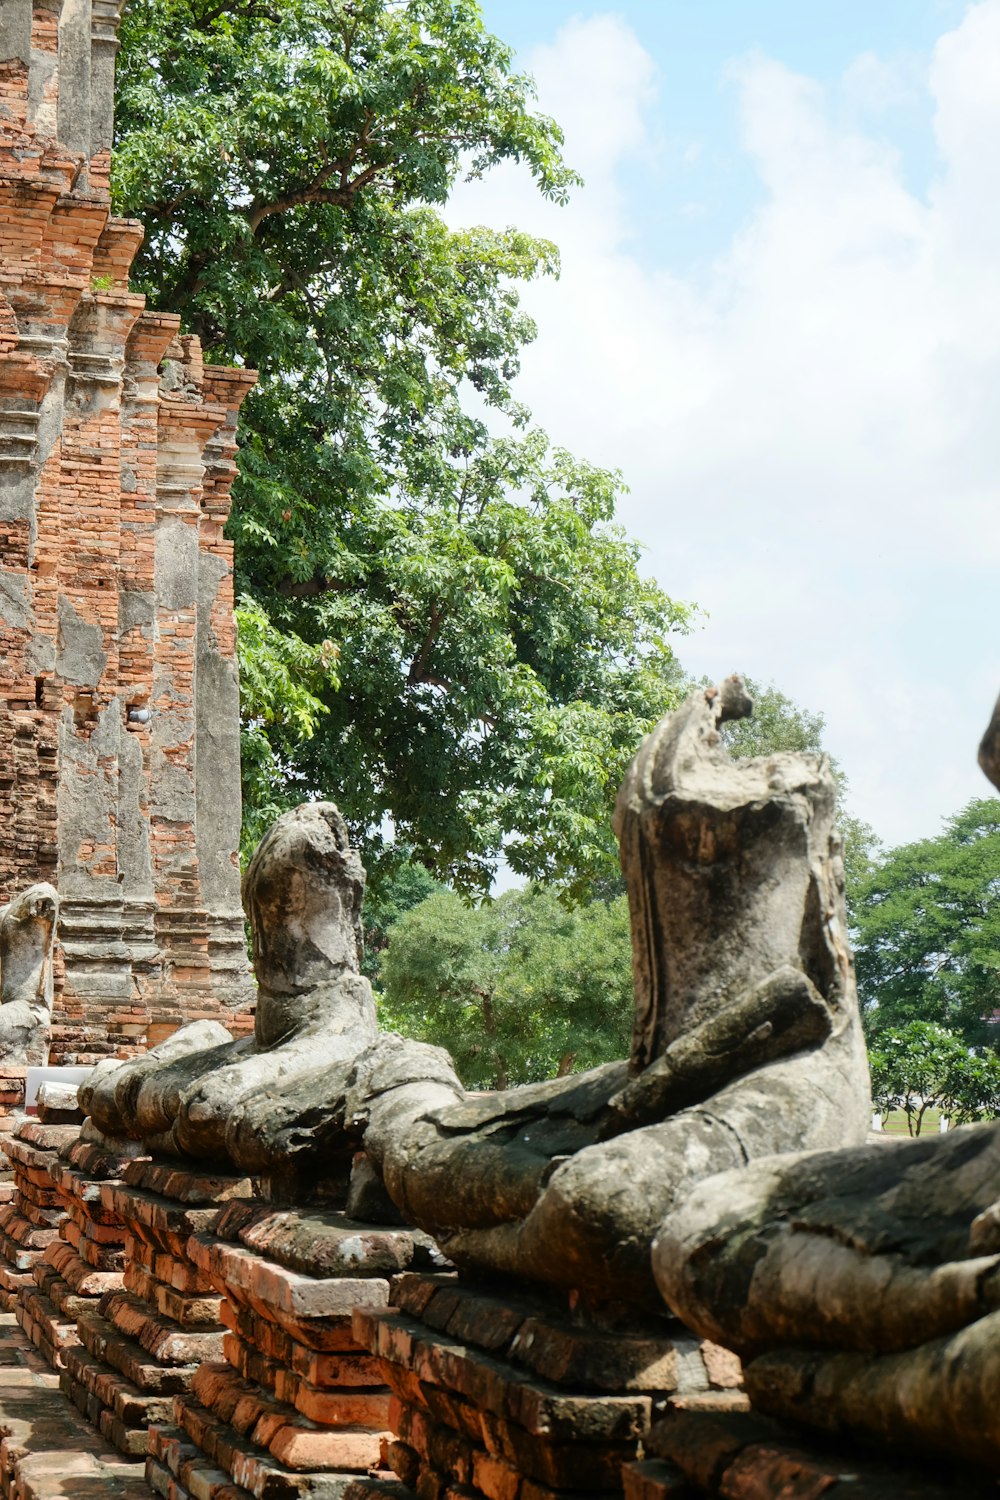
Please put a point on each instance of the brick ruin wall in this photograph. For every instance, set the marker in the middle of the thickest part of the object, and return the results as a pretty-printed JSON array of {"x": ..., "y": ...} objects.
[{"x": 119, "y": 728}]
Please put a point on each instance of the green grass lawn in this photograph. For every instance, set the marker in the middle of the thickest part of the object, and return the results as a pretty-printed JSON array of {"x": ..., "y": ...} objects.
[{"x": 896, "y": 1123}]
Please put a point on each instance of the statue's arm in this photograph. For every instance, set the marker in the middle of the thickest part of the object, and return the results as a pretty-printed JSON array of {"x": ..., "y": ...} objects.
[{"x": 783, "y": 1014}]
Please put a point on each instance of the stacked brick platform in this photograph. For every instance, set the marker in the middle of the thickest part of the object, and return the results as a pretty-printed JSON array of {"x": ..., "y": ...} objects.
[
  {"x": 296, "y": 1406},
  {"x": 145, "y": 1340},
  {"x": 499, "y": 1397},
  {"x": 12, "y": 1087},
  {"x": 12, "y": 1084},
  {"x": 87, "y": 1260},
  {"x": 119, "y": 730},
  {"x": 29, "y": 1224}
]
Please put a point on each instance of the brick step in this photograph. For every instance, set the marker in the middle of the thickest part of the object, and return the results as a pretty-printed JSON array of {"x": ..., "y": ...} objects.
[
  {"x": 133, "y": 1408},
  {"x": 42, "y": 1196},
  {"x": 131, "y": 1442},
  {"x": 11, "y": 1282},
  {"x": 159, "y": 1221},
  {"x": 184, "y": 1183},
  {"x": 100, "y": 1255},
  {"x": 101, "y": 1339},
  {"x": 360, "y": 1403},
  {"x": 68, "y": 1302},
  {"x": 176, "y": 1470},
  {"x": 293, "y": 1439},
  {"x": 267, "y": 1350},
  {"x": 21, "y": 1242},
  {"x": 258, "y": 1471},
  {"x": 90, "y": 1162},
  {"x": 83, "y": 1185},
  {"x": 249, "y": 1279},
  {"x": 37, "y": 1313},
  {"x": 83, "y": 1279},
  {"x": 181, "y": 1274},
  {"x": 187, "y": 1310},
  {"x": 168, "y": 1341}
]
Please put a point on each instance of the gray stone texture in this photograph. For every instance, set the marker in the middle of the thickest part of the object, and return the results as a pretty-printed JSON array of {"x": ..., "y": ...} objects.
[{"x": 861, "y": 1287}]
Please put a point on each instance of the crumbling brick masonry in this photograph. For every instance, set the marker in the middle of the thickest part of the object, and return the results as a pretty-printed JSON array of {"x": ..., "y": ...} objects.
[{"x": 119, "y": 739}]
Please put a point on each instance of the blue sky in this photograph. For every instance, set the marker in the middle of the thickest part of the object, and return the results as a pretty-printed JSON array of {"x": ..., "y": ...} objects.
[
  {"x": 779, "y": 315},
  {"x": 695, "y": 191}
]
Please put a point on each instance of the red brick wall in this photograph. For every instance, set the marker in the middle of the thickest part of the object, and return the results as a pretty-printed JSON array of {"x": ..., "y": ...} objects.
[{"x": 116, "y": 458}]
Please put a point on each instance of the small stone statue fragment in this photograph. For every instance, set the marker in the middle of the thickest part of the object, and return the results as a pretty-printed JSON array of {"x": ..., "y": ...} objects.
[{"x": 27, "y": 941}]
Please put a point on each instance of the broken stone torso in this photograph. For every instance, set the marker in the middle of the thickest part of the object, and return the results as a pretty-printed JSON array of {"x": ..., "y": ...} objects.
[{"x": 747, "y": 1038}]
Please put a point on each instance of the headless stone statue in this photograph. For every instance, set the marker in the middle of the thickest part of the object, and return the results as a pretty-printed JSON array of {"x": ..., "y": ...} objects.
[
  {"x": 861, "y": 1287},
  {"x": 747, "y": 1037},
  {"x": 27, "y": 940},
  {"x": 302, "y": 891}
]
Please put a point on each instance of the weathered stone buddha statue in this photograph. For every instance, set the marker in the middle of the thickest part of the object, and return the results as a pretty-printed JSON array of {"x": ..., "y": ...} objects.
[
  {"x": 861, "y": 1287},
  {"x": 747, "y": 1039},
  {"x": 27, "y": 940},
  {"x": 302, "y": 892}
]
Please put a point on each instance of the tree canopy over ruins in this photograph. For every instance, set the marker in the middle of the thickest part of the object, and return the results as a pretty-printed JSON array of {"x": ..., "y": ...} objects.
[{"x": 470, "y": 649}]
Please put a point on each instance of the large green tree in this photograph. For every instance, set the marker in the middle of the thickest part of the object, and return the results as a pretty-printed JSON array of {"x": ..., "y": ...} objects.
[
  {"x": 922, "y": 1066},
  {"x": 517, "y": 989},
  {"x": 476, "y": 650},
  {"x": 927, "y": 930}
]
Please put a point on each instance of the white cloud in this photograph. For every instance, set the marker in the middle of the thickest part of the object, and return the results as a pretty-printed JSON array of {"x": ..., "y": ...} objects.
[
  {"x": 872, "y": 84},
  {"x": 810, "y": 427}
]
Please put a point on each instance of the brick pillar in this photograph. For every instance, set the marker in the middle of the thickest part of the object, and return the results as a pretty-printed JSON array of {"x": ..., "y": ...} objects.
[{"x": 117, "y": 644}]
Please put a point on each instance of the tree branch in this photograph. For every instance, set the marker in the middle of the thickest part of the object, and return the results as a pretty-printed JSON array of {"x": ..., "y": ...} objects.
[{"x": 419, "y": 662}]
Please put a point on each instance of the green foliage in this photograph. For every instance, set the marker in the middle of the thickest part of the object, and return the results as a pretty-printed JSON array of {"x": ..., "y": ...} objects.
[
  {"x": 777, "y": 723},
  {"x": 927, "y": 939},
  {"x": 280, "y": 679},
  {"x": 923, "y": 1066},
  {"x": 518, "y": 989},
  {"x": 403, "y": 886},
  {"x": 500, "y": 655}
]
